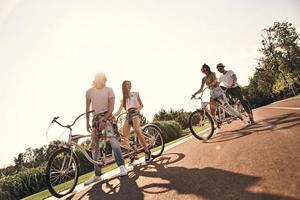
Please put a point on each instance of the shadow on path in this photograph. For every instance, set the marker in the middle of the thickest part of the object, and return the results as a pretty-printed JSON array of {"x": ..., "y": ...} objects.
[
  {"x": 161, "y": 176},
  {"x": 280, "y": 122}
]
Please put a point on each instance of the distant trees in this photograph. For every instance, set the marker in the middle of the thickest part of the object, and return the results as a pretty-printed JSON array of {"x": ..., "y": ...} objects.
[{"x": 277, "y": 75}]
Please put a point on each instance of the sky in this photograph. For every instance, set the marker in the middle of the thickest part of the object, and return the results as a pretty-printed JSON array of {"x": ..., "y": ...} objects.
[{"x": 51, "y": 50}]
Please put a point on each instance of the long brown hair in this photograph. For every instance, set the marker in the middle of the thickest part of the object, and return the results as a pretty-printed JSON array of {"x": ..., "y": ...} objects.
[{"x": 125, "y": 93}]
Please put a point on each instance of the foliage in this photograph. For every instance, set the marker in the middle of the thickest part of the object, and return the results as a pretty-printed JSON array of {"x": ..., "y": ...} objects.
[
  {"x": 179, "y": 116},
  {"x": 170, "y": 130},
  {"x": 278, "y": 73},
  {"x": 26, "y": 182}
]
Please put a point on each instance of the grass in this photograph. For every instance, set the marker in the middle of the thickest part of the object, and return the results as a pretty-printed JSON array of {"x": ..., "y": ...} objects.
[
  {"x": 45, "y": 193},
  {"x": 295, "y": 97}
]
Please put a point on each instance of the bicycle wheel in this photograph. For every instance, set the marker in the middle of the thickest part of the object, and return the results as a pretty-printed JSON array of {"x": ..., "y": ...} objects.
[
  {"x": 62, "y": 172},
  {"x": 154, "y": 139},
  {"x": 201, "y": 125}
]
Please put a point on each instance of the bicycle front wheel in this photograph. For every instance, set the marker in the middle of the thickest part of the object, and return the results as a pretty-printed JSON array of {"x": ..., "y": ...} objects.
[
  {"x": 201, "y": 125},
  {"x": 154, "y": 140},
  {"x": 62, "y": 172}
]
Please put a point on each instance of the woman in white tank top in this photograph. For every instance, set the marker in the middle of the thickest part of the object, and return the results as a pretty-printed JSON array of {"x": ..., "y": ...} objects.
[{"x": 132, "y": 103}]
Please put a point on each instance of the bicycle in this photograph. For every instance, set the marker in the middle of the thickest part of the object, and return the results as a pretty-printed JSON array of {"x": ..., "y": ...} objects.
[
  {"x": 235, "y": 103},
  {"x": 201, "y": 122},
  {"x": 62, "y": 169}
]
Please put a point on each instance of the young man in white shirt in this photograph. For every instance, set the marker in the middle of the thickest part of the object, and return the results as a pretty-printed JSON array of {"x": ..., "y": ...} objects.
[
  {"x": 229, "y": 79},
  {"x": 102, "y": 100}
]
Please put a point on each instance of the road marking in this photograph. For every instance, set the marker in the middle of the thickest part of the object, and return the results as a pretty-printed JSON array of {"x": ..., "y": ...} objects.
[
  {"x": 285, "y": 108},
  {"x": 115, "y": 172}
]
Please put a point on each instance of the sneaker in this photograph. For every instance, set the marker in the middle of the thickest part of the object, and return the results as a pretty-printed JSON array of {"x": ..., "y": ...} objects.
[
  {"x": 123, "y": 170},
  {"x": 147, "y": 156},
  {"x": 246, "y": 122},
  {"x": 94, "y": 179}
]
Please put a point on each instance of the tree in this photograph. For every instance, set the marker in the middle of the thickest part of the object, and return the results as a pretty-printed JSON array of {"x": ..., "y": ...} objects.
[
  {"x": 19, "y": 161},
  {"x": 281, "y": 53}
]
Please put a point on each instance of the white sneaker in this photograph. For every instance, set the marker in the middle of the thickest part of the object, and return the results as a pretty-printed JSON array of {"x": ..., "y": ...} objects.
[
  {"x": 94, "y": 179},
  {"x": 246, "y": 122},
  {"x": 123, "y": 170}
]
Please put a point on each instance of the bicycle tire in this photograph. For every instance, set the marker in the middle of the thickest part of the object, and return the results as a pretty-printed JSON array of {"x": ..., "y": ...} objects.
[
  {"x": 195, "y": 132},
  {"x": 162, "y": 142},
  {"x": 51, "y": 187}
]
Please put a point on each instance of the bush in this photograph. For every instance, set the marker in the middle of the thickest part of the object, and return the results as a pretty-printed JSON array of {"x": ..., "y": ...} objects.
[
  {"x": 26, "y": 182},
  {"x": 180, "y": 116},
  {"x": 171, "y": 130}
]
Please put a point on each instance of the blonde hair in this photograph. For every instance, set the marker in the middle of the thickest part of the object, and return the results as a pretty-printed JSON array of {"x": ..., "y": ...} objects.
[{"x": 100, "y": 79}]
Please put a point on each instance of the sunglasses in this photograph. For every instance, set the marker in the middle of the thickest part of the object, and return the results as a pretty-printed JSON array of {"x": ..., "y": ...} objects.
[{"x": 205, "y": 70}]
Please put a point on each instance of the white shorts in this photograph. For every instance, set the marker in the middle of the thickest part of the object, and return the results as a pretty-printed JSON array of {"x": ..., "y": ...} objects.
[{"x": 217, "y": 93}]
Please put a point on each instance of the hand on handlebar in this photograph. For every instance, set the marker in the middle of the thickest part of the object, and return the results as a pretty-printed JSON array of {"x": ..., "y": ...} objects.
[{"x": 88, "y": 127}]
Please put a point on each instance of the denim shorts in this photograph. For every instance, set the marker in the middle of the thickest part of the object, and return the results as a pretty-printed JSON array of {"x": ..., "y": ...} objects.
[
  {"x": 130, "y": 115},
  {"x": 109, "y": 129}
]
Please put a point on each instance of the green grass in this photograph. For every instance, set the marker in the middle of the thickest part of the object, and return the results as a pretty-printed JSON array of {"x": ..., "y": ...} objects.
[
  {"x": 45, "y": 193},
  {"x": 295, "y": 97}
]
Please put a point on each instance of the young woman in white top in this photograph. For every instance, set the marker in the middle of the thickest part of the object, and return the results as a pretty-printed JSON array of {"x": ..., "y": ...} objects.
[{"x": 132, "y": 103}]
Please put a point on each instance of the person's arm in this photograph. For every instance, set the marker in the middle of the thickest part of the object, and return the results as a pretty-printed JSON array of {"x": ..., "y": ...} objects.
[
  {"x": 119, "y": 110},
  {"x": 140, "y": 102},
  {"x": 111, "y": 103},
  {"x": 201, "y": 88},
  {"x": 87, "y": 109},
  {"x": 234, "y": 79}
]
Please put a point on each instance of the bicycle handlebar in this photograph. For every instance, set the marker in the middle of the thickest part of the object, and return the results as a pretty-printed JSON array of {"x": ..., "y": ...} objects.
[
  {"x": 194, "y": 96},
  {"x": 69, "y": 126}
]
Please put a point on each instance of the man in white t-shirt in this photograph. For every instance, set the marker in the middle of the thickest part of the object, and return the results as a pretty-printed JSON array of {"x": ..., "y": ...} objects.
[
  {"x": 102, "y": 100},
  {"x": 229, "y": 79}
]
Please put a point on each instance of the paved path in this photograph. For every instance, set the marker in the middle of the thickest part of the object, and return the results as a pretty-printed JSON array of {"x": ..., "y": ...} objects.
[{"x": 257, "y": 162}]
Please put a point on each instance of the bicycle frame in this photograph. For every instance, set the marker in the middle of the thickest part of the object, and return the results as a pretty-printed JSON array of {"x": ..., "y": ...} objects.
[
  {"x": 64, "y": 166},
  {"x": 73, "y": 142},
  {"x": 222, "y": 110}
]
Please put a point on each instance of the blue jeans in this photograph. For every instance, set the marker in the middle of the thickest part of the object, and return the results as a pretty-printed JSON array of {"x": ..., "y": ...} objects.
[{"x": 115, "y": 145}]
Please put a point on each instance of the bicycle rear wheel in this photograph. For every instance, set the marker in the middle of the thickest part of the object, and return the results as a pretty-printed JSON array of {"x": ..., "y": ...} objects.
[
  {"x": 154, "y": 140},
  {"x": 201, "y": 125},
  {"x": 62, "y": 172}
]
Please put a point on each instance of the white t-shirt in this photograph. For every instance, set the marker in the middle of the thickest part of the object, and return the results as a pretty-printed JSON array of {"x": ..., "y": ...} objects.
[
  {"x": 99, "y": 98},
  {"x": 226, "y": 79},
  {"x": 132, "y": 101}
]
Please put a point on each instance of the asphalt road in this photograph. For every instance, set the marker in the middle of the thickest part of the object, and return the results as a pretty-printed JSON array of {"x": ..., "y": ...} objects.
[{"x": 261, "y": 161}]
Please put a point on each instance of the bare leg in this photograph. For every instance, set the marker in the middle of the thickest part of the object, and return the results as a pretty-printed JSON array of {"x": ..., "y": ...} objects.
[
  {"x": 213, "y": 106},
  {"x": 138, "y": 131},
  {"x": 126, "y": 130}
]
